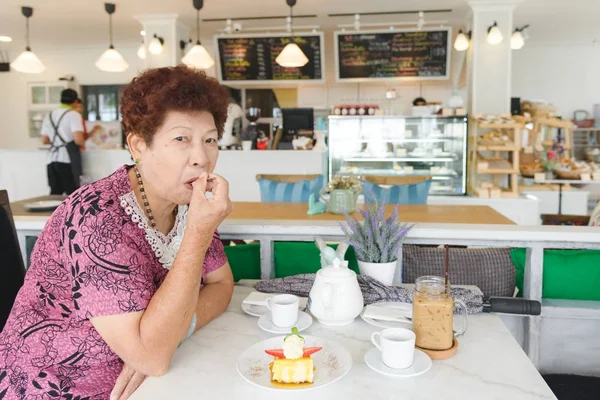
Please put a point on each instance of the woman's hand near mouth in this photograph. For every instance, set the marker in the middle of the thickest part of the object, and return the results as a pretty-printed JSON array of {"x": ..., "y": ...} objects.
[{"x": 206, "y": 214}]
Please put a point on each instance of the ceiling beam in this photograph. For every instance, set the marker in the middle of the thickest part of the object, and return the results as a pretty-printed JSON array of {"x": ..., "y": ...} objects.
[
  {"x": 257, "y": 18},
  {"x": 389, "y": 12}
]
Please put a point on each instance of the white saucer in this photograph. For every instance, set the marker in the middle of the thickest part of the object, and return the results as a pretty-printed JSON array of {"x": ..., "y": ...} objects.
[
  {"x": 265, "y": 323},
  {"x": 421, "y": 364},
  {"x": 254, "y": 310}
]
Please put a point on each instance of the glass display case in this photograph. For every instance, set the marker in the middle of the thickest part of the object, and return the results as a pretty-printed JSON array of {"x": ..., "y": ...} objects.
[{"x": 401, "y": 146}]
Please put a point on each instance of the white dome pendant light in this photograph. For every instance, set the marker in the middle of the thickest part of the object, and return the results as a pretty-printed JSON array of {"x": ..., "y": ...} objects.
[
  {"x": 111, "y": 60},
  {"x": 197, "y": 56},
  {"x": 494, "y": 35},
  {"x": 27, "y": 62},
  {"x": 291, "y": 55}
]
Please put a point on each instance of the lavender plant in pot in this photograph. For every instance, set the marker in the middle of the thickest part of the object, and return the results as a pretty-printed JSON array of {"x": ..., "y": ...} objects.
[{"x": 376, "y": 241}]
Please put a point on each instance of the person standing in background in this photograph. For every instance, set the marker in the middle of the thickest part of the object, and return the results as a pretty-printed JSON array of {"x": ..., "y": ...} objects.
[
  {"x": 63, "y": 130},
  {"x": 78, "y": 106}
]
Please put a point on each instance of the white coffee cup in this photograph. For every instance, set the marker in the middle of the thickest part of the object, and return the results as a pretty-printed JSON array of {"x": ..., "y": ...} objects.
[
  {"x": 397, "y": 346},
  {"x": 284, "y": 310}
]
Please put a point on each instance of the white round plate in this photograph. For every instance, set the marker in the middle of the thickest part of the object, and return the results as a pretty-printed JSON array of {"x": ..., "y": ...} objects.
[
  {"x": 265, "y": 323},
  {"x": 421, "y": 364},
  {"x": 44, "y": 205},
  {"x": 331, "y": 363},
  {"x": 389, "y": 324}
]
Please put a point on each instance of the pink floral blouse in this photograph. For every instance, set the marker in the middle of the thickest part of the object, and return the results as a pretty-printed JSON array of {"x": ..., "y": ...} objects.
[{"x": 96, "y": 256}]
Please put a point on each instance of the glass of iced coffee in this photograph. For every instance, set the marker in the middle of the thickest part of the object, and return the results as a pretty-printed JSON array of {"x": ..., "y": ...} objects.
[{"x": 433, "y": 309}]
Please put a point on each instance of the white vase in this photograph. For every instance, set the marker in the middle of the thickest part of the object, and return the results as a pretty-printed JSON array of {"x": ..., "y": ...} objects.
[{"x": 383, "y": 272}]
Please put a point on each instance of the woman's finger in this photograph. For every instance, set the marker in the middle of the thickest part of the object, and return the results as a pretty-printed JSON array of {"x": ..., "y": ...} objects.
[
  {"x": 220, "y": 187},
  {"x": 121, "y": 383},
  {"x": 136, "y": 380},
  {"x": 199, "y": 186}
]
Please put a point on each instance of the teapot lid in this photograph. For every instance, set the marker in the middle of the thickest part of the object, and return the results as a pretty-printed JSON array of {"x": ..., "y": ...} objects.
[{"x": 339, "y": 269}]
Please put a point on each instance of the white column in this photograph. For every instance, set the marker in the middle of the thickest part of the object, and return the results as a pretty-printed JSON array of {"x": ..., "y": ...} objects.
[
  {"x": 490, "y": 65},
  {"x": 172, "y": 30}
]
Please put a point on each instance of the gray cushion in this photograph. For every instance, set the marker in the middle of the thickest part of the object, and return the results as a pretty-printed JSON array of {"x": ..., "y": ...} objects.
[{"x": 490, "y": 269}]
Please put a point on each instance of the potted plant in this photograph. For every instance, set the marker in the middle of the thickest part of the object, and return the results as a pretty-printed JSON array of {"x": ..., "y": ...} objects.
[
  {"x": 343, "y": 194},
  {"x": 376, "y": 241}
]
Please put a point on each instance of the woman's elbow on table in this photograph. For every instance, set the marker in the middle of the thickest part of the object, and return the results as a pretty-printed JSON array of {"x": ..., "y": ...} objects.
[{"x": 122, "y": 334}]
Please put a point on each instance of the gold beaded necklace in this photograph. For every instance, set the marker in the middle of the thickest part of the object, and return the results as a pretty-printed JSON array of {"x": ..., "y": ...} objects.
[{"x": 143, "y": 193}]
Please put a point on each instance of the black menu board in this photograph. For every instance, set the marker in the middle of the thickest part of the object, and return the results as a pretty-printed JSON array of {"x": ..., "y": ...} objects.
[
  {"x": 393, "y": 55},
  {"x": 252, "y": 58}
]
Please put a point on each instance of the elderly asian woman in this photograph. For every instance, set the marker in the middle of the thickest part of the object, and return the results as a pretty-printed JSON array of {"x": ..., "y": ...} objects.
[{"x": 130, "y": 265}]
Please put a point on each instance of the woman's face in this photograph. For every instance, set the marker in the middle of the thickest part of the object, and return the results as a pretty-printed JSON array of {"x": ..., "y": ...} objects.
[{"x": 182, "y": 148}]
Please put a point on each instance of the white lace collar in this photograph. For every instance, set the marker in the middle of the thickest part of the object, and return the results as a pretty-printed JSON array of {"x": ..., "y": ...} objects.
[{"x": 165, "y": 247}]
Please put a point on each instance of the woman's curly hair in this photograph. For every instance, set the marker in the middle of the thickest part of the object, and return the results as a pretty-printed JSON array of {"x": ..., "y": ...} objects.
[{"x": 147, "y": 99}]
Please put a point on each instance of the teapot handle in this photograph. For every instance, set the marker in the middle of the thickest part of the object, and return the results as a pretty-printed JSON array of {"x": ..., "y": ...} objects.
[
  {"x": 328, "y": 299},
  {"x": 322, "y": 196}
]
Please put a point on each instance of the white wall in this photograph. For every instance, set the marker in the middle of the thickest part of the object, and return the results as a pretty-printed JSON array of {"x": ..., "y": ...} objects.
[
  {"x": 566, "y": 75},
  {"x": 61, "y": 62}
]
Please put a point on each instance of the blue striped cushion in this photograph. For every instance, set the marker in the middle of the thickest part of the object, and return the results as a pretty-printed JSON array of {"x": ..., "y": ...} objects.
[
  {"x": 397, "y": 194},
  {"x": 285, "y": 192}
]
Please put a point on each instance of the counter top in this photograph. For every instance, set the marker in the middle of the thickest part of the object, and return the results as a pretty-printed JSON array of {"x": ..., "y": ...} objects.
[
  {"x": 256, "y": 211},
  {"x": 489, "y": 365}
]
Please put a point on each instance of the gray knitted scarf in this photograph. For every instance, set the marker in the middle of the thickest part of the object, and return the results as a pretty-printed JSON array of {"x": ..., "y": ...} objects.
[{"x": 373, "y": 291}]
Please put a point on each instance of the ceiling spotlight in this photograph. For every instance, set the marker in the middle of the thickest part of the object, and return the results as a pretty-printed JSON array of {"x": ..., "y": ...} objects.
[
  {"x": 494, "y": 35},
  {"x": 421, "y": 20},
  {"x": 5, "y": 39},
  {"x": 143, "y": 33}
]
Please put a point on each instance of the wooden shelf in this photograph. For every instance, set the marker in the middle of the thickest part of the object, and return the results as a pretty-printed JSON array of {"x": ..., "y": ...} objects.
[
  {"x": 550, "y": 143},
  {"x": 497, "y": 171},
  {"x": 513, "y": 125},
  {"x": 503, "y": 168},
  {"x": 512, "y": 147}
]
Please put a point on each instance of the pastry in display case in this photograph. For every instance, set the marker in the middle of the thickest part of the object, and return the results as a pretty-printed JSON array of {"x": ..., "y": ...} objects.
[{"x": 401, "y": 146}]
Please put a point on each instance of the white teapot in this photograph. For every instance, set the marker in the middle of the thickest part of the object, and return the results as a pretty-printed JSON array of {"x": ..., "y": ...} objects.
[{"x": 335, "y": 298}]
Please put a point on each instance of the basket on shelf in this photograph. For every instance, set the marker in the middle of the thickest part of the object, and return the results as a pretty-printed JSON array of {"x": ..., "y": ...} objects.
[
  {"x": 529, "y": 171},
  {"x": 574, "y": 174}
]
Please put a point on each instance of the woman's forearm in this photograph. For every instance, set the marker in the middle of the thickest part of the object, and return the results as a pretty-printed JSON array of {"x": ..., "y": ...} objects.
[
  {"x": 166, "y": 320},
  {"x": 212, "y": 302}
]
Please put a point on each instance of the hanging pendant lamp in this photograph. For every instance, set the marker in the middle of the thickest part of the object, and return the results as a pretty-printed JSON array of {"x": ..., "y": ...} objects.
[
  {"x": 27, "y": 62},
  {"x": 197, "y": 56},
  {"x": 111, "y": 60},
  {"x": 291, "y": 55}
]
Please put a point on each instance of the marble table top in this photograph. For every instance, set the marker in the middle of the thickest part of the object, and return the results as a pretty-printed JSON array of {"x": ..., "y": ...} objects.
[{"x": 489, "y": 365}]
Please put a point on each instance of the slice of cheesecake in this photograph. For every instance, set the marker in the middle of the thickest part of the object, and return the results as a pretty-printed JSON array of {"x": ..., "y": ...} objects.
[
  {"x": 292, "y": 364},
  {"x": 300, "y": 370}
]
